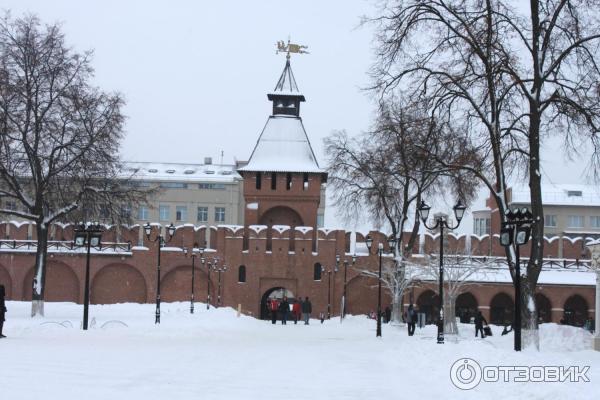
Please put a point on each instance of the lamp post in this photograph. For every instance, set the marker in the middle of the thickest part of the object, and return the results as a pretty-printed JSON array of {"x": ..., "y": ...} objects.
[
  {"x": 344, "y": 298},
  {"x": 193, "y": 254},
  {"x": 515, "y": 230},
  {"x": 161, "y": 242},
  {"x": 219, "y": 269},
  {"x": 441, "y": 222},
  {"x": 328, "y": 271},
  {"x": 90, "y": 236},
  {"x": 392, "y": 244}
]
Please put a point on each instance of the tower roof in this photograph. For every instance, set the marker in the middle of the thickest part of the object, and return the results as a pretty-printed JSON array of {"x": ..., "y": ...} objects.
[
  {"x": 283, "y": 146},
  {"x": 286, "y": 85}
]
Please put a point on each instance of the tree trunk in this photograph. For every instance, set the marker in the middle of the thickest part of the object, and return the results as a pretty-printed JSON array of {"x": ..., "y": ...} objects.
[
  {"x": 530, "y": 337},
  {"x": 397, "y": 308},
  {"x": 450, "y": 327},
  {"x": 39, "y": 277}
]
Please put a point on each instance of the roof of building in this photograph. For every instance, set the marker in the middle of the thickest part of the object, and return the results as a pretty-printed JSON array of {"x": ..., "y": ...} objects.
[
  {"x": 283, "y": 146},
  {"x": 560, "y": 195},
  {"x": 286, "y": 85},
  {"x": 185, "y": 172}
]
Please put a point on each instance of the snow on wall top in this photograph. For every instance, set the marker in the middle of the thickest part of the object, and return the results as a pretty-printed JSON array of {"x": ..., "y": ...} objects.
[
  {"x": 283, "y": 146},
  {"x": 560, "y": 195},
  {"x": 152, "y": 171}
]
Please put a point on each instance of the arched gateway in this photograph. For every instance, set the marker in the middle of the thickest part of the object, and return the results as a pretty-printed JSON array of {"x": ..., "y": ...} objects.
[{"x": 273, "y": 293}]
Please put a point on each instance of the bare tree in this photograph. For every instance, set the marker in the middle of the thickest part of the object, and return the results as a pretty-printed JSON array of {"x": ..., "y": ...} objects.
[
  {"x": 460, "y": 273},
  {"x": 502, "y": 77},
  {"x": 59, "y": 136},
  {"x": 386, "y": 173}
]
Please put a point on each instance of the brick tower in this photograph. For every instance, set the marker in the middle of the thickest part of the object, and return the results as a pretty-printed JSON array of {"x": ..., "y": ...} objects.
[{"x": 282, "y": 180}]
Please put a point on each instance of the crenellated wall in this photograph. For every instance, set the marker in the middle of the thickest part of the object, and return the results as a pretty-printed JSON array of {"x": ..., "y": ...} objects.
[{"x": 283, "y": 257}]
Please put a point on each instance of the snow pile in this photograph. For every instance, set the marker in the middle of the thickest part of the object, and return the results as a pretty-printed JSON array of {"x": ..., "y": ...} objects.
[{"x": 213, "y": 354}]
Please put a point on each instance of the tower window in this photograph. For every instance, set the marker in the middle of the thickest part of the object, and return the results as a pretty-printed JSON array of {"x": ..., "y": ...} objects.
[
  {"x": 305, "y": 181},
  {"x": 273, "y": 180},
  {"x": 258, "y": 180},
  {"x": 242, "y": 274},
  {"x": 317, "y": 272},
  {"x": 288, "y": 181}
]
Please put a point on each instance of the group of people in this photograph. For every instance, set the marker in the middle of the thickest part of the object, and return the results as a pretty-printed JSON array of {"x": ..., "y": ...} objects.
[{"x": 298, "y": 309}]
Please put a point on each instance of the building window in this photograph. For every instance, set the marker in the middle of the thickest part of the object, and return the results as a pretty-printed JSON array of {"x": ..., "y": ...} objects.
[
  {"x": 10, "y": 205},
  {"x": 575, "y": 221},
  {"x": 305, "y": 181},
  {"x": 212, "y": 186},
  {"x": 126, "y": 211},
  {"x": 173, "y": 185},
  {"x": 288, "y": 181},
  {"x": 181, "y": 213},
  {"x": 219, "y": 214},
  {"x": 481, "y": 226},
  {"x": 242, "y": 274},
  {"x": 104, "y": 211},
  {"x": 258, "y": 180},
  {"x": 550, "y": 221},
  {"x": 143, "y": 213},
  {"x": 595, "y": 221},
  {"x": 164, "y": 212},
  {"x": 317, "y": 272},
  {"x": 202, "y": 214},
  {"x": 273, "y": 180}
]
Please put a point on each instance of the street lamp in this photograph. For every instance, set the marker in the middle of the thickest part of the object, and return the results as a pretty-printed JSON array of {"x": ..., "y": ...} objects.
[
  {"x": 344, "y": 298},
  {"x": 219, "y": 269},
  {"x": 89, "y": 235},
  {"x": 392, "y": 244},
  {"x": 515, "y": 230},
  {"x": 323, "y": 269},
  {"x": 210, "y": 263},
  {"x": 441, "y": 222},
  {"x": 161, "y": 242},
  {"x": 193, "y": 254}
]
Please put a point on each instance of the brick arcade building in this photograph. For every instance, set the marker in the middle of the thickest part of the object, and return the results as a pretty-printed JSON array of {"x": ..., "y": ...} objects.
[{"x": 279, "y": 249}]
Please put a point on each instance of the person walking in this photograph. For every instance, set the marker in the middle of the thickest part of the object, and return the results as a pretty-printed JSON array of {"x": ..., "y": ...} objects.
[
  {"x": 479, "y": 322},
  {"x": 273, "y": 307},
  {"x": 411, "y": 319},
  {"x": 297, "y": 310},
  {"x": 284, "y": 308},
  {"x": 2, "y": 309},
  {"x": 306, "y": 310},
  {"x": 388, "y": 314}
]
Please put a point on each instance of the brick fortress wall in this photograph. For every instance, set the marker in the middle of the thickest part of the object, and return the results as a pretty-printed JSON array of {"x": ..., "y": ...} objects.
[{"x": 130, "y": 276}]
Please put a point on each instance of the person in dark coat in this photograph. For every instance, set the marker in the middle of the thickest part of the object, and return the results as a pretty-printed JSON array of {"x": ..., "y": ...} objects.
[
  {"x": 479, "y": 322},
  {"x": 306, "y": 310},
  {"x": 411, "y": 319},
  {"x": 388, "y": 314},
  {"x": 284, "y": 309},
  {"x": 2, "y": 309}
]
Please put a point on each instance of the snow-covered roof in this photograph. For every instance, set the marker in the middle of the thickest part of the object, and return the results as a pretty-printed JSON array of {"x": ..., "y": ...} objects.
[
  {"x": 560, "y": 195},
  {"x": 283, "y": 146},
  {"x": 153, "y": 171}
]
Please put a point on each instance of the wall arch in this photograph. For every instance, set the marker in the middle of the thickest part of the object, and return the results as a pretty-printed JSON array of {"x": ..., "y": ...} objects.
[
  {"x": 176, "y": 285},
  {"x": 361, "y": 292},
  {"x": 543, "y": 307},
  {"x": 428, "y": 302},
  {"x": 6, "y": 280},
  {"x": 576, "y": 310},
  {"x": 281, "y": 215},
  {"x": 62, "y": 283},
  {"x": 502, "y": 309},
  {"x": 466, "y": 307},
  {"x": 118, "y": 283}
]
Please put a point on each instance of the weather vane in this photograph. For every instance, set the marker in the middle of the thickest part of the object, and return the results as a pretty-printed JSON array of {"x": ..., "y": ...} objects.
[{"x": 290, "y": 48}]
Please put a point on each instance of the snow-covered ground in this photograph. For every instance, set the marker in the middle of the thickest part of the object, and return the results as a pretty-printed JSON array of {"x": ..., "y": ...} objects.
[{"x": 216, "y": 355}]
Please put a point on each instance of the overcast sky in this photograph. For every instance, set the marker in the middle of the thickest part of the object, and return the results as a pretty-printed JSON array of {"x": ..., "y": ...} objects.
[{"x": 195, "y": 74}]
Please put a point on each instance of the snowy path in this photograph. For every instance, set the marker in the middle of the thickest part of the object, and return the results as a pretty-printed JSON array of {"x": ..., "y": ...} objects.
[{"x": 215, "y": 355}]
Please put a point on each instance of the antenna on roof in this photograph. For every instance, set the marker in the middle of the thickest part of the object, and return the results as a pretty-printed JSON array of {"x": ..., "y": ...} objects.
[{"x": 222, "y": 152}]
